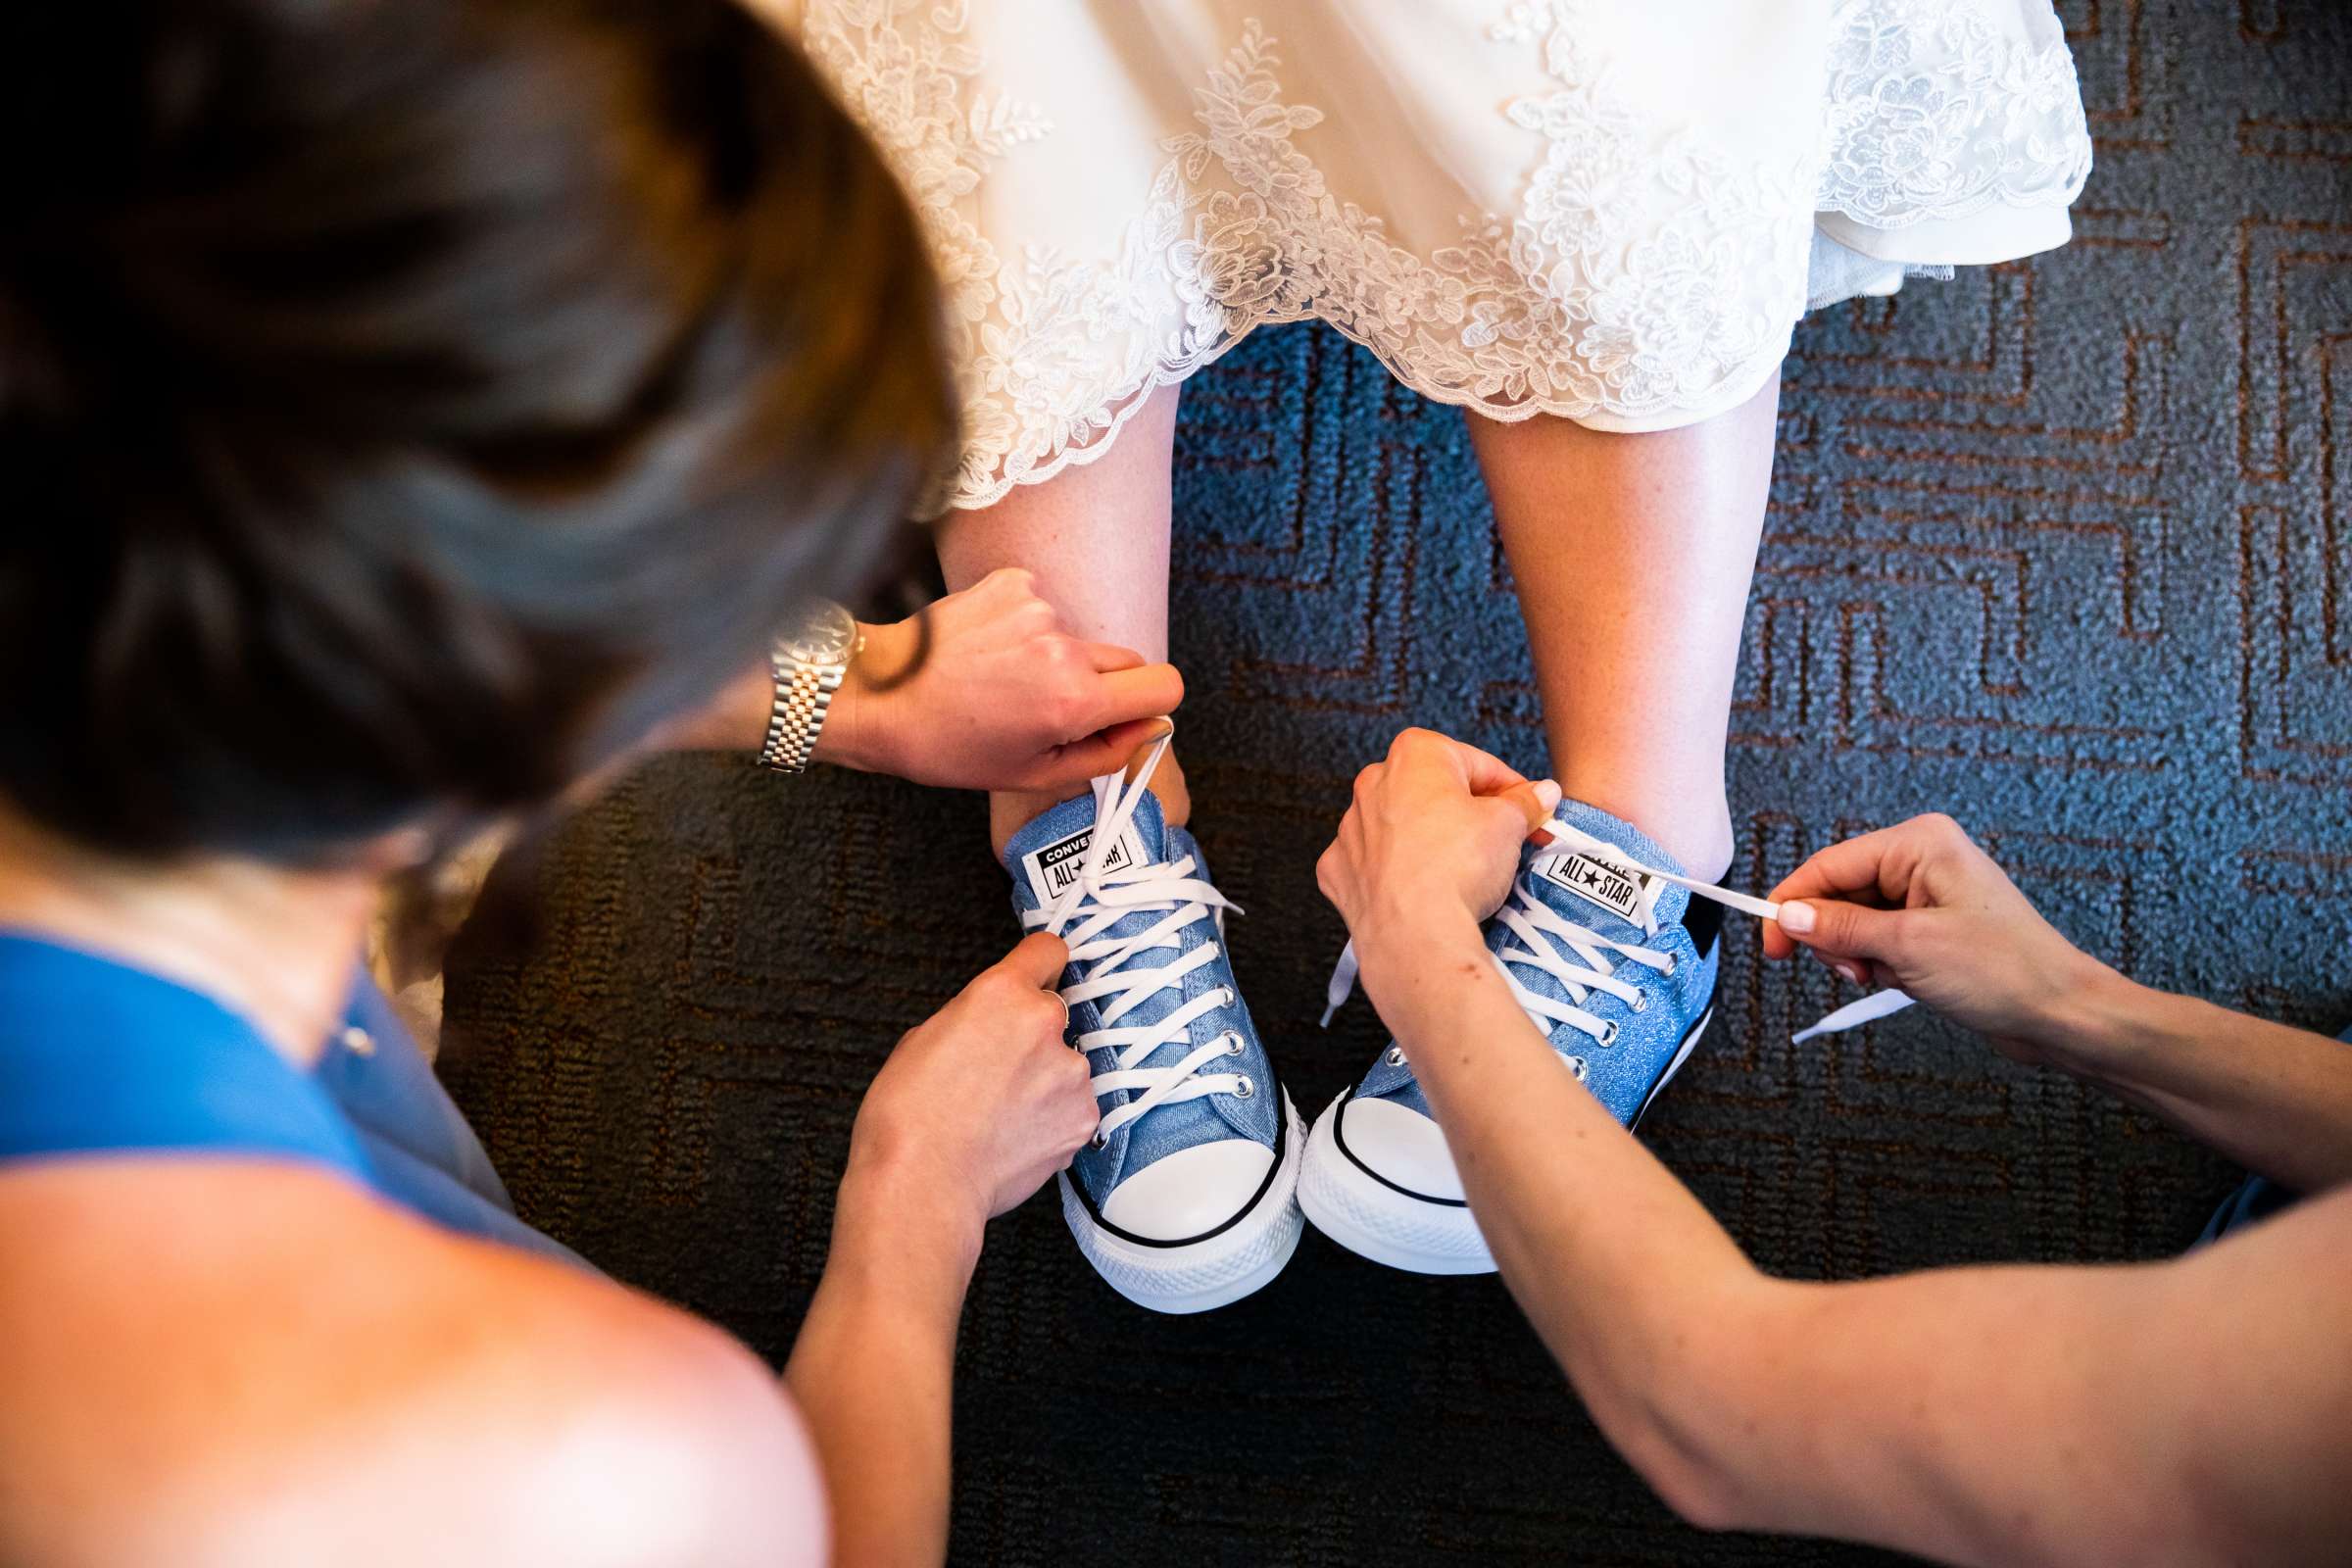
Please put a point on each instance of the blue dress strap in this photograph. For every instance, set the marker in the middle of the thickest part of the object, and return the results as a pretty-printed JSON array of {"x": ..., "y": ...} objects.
[{"x": 98, "y": 1057}]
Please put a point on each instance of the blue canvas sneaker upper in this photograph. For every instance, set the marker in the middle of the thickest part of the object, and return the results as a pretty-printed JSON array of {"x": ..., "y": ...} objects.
[
  {"x": 1616, "y": 966},
  {"x": 1151, "y": 989}
]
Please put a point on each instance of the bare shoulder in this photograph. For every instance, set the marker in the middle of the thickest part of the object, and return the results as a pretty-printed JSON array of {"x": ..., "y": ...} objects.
[{"x": 215, "y": 1361}]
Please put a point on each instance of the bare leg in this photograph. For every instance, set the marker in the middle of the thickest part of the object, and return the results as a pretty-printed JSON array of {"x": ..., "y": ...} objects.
[
  {"x": 1633, "y": 555},
  {"x": 1096, "y": 538}
]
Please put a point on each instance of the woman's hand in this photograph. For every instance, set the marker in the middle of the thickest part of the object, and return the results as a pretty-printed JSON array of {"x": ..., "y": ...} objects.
[
  {"x": 1920, "y": 906},
  {"x": 1431, "y": 840},
  {"x": 1004, "y": 698},
  {"x": 975, "y": 1109},
  {"x": 983, "y": 1101}
]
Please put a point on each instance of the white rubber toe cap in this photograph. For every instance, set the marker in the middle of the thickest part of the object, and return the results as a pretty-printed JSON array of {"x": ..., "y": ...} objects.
[
  {"x": 1399, "y": 1145},
  {"x": 1191, "y": 1192}
]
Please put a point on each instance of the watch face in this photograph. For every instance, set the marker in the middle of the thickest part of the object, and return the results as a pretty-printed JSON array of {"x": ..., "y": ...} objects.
[{"x": 825, "y": 637}]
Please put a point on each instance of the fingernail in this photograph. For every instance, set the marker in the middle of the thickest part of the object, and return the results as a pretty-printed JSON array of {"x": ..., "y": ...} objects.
[
  {"x": 1547, "y": 794},
  {"x": 1853, "y": 972},
  {"x": 1797, "y": 919}
]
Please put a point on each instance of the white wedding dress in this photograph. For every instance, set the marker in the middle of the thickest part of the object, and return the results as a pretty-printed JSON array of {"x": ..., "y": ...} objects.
[{"x": 1609, "y": 210}]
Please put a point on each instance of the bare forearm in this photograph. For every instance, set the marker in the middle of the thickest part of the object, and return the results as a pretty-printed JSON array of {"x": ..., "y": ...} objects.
[
  {"x": 2061, "y": 1415},
  {"x": 1994, "y": 1417},
  {"x": 873, "y": 1371},
  {"x": 2273, "y": 1098},
  {"x": 1883, "y": 1411},
  {"x": 1636, "y": 1290}
]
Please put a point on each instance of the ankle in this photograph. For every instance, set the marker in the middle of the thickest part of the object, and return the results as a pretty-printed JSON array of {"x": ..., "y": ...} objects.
[
  {"x": 1174, "y": 794},
  {"x": 1698, "y": 836},
  {"x": 1707, "y": 853},
  {"x": 1010, "y": 811}
]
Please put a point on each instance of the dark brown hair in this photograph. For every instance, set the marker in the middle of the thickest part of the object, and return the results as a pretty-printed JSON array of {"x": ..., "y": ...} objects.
[{"x": 407, "y": 403}]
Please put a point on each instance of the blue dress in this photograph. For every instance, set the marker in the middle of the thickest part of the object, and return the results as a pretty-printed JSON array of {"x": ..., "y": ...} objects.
[{"x": 97, "y": 1057}]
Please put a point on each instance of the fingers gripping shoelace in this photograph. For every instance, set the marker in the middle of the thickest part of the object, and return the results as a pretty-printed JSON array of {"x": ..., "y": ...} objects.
[
  {"x": 1542, "y": 933},
  {"x": 1110, "y": 975},
  {"x": 1582, "y": 961}
]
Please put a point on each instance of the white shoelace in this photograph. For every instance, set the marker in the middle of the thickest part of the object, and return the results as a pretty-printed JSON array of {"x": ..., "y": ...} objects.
[
  {"x": 1542, "y": 933},
  {"x": 1083, "y": 916}
]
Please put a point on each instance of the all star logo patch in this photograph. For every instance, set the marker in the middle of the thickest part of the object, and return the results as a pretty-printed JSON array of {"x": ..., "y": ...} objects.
[
  {"x": 1593, "y": 881},
  {"x": 1054, "y": 868}
]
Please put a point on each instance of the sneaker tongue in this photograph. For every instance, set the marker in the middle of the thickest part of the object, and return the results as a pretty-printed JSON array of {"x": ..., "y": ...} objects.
[
  {"x": 1044, "y": 855},
  {"x": 1589, "y": 886},
  {"x": 1043, "y": 859}
]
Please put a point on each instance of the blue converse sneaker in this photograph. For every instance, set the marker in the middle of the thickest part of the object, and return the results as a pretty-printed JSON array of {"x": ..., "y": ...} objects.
[
  {"x": 1184, "y": 1199},
  {"x": 1612, "y": 959}
]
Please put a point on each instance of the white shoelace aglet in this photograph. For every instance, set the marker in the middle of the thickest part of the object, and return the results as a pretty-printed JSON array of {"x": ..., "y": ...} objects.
[
  {"x": 1341, "y": 985},
  {"x": 1868, "y": 1009}
]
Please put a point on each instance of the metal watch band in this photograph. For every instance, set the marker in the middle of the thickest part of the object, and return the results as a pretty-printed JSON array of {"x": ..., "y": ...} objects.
[{"x": 804, "y": 696}]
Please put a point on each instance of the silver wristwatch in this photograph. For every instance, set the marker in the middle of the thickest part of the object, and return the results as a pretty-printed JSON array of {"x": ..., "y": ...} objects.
[{"x": 809, "y": 666}]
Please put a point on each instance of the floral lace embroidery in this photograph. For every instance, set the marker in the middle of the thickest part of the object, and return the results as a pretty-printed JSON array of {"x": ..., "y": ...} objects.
[
  {"x": 1934, "y": 113},
  {"x": 1032, "y": 341},
  {"x": 1637, "y": 281}
]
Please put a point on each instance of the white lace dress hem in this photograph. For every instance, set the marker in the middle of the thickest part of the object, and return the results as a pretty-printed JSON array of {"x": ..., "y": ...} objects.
[{"x": 1611, "y": 213}]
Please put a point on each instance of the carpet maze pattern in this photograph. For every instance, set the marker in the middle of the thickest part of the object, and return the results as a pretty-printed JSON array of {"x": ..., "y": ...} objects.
[{"x": 2063, "y": 548}]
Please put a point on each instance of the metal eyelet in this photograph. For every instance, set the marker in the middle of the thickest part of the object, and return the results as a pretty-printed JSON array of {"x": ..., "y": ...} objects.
[
  {"x": 1668, "y": 971},
  {"x": 1233, "y": 1043},
  {"x": 1229, "y": 997},
  {"x": 1395, "y": 1056},
  {"x": 1642, "y": 1001},
  {"x": 1608, "y": 1036},
  {"x": 1576, "y": 1065},
  {"x": 1099, "y": 1142},
  {"x": 1244, "y": 1089}
]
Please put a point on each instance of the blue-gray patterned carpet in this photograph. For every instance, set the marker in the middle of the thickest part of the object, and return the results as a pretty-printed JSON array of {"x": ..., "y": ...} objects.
[{"x": 2063, "y": 548}]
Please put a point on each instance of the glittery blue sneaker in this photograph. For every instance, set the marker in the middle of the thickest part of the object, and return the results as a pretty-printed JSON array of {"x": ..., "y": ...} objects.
[
  {"x": 1184, "y": 1199},
  {"x": 1613, "y": 959}
]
